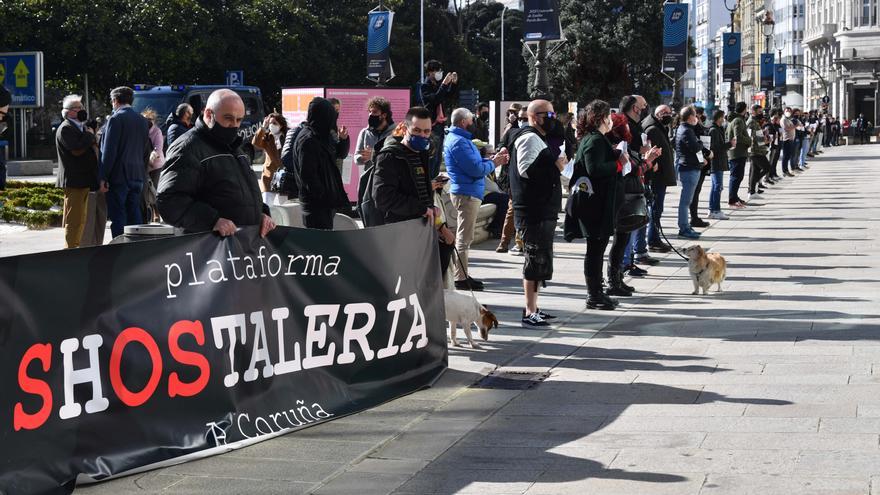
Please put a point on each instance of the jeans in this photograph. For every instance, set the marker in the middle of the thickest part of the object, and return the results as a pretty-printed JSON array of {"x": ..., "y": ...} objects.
[
  {"x": 805, "y": 148},
  {"x": 689, "y": 179},
  {"x": 787, "y": 152},
  {"x": 124, "y": 205},
  {"x": 656, "y": 213},
  {"x": 715, "y": 193},
  {"x": 737, "y": 172}
]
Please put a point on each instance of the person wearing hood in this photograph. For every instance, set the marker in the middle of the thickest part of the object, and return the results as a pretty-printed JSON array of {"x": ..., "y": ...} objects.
[
  {"x": 207, "y": 183},
  {"x": 656, "y": 127},
  {"x": 318, "y": 179},
  {"x": 177, "y": 123},
  {"x": 379, "y": 126}
]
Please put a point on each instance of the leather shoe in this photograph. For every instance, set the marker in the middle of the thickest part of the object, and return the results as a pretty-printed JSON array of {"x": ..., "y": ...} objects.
[
  {"x": 699, "y": 222},
  {"x": 659, "y": 248},
  {"x": 647, "y": 260}
]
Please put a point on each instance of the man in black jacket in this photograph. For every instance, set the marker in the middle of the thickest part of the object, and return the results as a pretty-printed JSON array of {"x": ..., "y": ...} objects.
[
  {"x": 635, "y": 107},
  {"x": 657, "y": 128},
  {"x": 402, "y": 188},
  {"x": 207, "y": 183},
  {"x": 77, "y": 167},
  {"x": 536, "y": 191},
  {"x": 314, "y": 163}
]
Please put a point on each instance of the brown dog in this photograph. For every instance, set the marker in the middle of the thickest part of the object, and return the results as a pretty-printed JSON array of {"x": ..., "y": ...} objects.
[{"x": 706, "y": 269}]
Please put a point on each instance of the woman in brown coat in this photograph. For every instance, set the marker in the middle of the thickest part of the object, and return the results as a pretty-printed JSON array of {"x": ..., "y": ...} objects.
[{"x": 269, "y": 138}]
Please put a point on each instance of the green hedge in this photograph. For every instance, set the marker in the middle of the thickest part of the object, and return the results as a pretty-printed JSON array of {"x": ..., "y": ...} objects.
[{"x": 37, "y": 198}]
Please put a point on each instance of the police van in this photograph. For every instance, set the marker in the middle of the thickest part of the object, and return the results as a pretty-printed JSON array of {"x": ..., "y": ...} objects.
[{"x": 165, "y": 99}]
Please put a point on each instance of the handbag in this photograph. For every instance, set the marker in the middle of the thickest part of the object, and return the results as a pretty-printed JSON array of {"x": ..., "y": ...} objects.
[{"x": 633, "y": 214}]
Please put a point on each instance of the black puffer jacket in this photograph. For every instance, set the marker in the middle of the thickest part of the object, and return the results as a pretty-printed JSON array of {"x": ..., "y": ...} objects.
[
  {"x": 314, "y": 159},
  {"x": 205, "y": 180},
  {"x": 395, "y": 186},
  {"x": 174, "y": 128},
  {"x": 658, "y": 134}
]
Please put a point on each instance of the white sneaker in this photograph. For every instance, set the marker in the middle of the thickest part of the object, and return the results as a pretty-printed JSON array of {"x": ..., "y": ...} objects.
[
  {"x": 718, "y": 215},
  {"x": 755, "y": 196}
]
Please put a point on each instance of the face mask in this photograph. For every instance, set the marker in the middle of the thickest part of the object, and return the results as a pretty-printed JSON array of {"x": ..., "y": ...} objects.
[
  {"x": 374, "y": 121},
  {"x": 225, "y": 135},
  {"x": 419, "y": 143},
  {"x": 438, "y": 76},
  {"x": 484, "y": 115},
  {"x": 788, "y": 115},
  {"x": 644, "y": 113},
  {"x": 549, "y": 125},
  {"x": 512, "y": 119},
  {"x": 275, "y": 129},
  {"x": 666, "y": 120},
  {"x": 82, "y": 116}
]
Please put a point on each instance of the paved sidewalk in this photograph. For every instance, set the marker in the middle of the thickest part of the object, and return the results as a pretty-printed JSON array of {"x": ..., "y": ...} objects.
[{"x": 768, "y": 388}]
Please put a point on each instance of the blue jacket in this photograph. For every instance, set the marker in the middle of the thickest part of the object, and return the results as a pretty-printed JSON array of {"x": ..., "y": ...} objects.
[
  {"x": 466, "y": 168},
  {"x": 125, "y": 147}
]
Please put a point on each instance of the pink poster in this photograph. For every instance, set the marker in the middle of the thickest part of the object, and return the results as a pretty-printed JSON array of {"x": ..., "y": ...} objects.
[
  {"x": 295, "y": 103},
  {"x": 353, "y": 115}
]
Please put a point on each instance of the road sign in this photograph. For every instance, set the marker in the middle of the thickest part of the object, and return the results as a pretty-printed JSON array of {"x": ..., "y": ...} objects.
[
  {"x": 234, "y": 77},
  {"x": 826, "y": 99},
  {"x": 22, "y": 74}
]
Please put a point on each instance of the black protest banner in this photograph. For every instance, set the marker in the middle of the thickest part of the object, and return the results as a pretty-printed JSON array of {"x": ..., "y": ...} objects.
[{"x": 144, "y": 354}]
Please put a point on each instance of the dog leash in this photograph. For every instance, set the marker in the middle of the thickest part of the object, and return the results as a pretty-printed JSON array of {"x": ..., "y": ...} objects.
[
  {"x": 467, "y": 276},
  {"x": 660, "y": 228}
]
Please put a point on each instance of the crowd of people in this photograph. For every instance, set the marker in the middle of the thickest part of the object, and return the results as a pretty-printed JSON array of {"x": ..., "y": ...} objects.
[{"x": 617, "y": 166}]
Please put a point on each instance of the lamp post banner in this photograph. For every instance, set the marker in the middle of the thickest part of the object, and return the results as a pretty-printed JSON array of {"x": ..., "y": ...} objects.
[
  {"x": 141, "y": 355},
  {"x": 732, "y": 55},
  {"x": 541, "y": 19},
  {"x": 675, "y": 37},
  {"x": 378, "y": 45},
  {"x": 781, "y": 75},
  {"x": 767, "y": 72}
]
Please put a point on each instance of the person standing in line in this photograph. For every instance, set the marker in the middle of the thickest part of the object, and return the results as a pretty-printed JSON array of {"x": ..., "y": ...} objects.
[
  {"x": 125, "y": 148},
  {"x": 738, "y": 154},
  {"x": 773, "y": 132},
  {"x": 657, "y": 128},
  {"x": 701, "y": 131},
  {"x": 788, "y": 134},
  {"x": 689, "y": 160},
  {"x": 757, "y": 152},
  {"x": 467, "y": 171},
  {"x": 508, "y": 231},
  {"x": 719, "y": 147}
]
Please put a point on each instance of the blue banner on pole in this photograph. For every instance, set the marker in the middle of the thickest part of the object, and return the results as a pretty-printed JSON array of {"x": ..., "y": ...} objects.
[
  {"x": 767, "y": 73},
  {"x": 710, "y": 78},
  {"x": 781, "y": 75},
  {"x": 675, "y": 37},
  {"x": 379, "y": 45},
  {"x": 732, "y": 56},
  {"x": 541, "y": 19}
]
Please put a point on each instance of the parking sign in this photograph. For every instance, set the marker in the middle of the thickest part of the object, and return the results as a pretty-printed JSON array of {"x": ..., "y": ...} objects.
[
  {"x": 22, "y": 74},
  {"x": 234, "y": 77}
]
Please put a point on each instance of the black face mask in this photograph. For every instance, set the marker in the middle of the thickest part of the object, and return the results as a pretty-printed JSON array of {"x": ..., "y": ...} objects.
[
  {"x": 225, "y": 135},
  {"x": 550, "y": 126},
  {"x": 643, "y": 114},
  {"x": 374, "y": 121},
  {"x": 666, "y": 120},
  {"x": 484, "y": 115},
  {"x": 82, "y": 116}
]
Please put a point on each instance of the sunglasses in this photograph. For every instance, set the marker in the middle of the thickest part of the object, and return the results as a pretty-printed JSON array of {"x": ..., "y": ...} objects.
[{"x": 550, "y": 115}]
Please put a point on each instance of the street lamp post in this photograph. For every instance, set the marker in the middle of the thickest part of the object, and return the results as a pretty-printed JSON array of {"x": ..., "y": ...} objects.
[
  {"x": 503, "y": 11},
  {"x": 731, "y": 95},
  {"x": 767, "y": 27},
  {"x": 422, "y": 38}
]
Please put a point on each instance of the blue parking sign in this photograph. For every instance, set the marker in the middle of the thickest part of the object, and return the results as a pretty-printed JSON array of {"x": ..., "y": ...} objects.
[
  {"x": 22, "y": 74},
  {"x": 235, "y": 78}
]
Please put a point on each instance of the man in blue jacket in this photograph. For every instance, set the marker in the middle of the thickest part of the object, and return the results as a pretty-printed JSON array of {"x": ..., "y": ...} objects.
[
  {"x": 125, "y": 149},
  {"x": 467, "y": 171}
]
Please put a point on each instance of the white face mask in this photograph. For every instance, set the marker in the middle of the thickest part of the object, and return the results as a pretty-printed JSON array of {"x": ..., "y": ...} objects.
[
  {"x": 438, "y": 76},
  {"x": 275, "y": 129},
  {"x": 788, "y": 114}
]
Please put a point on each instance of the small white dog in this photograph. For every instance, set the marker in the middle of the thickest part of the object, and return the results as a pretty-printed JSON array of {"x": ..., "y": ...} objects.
[{"x": 464, "y": 309}]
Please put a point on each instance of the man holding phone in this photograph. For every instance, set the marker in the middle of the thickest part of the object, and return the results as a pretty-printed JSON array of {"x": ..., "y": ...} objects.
[{"x": 434, "y": 92}]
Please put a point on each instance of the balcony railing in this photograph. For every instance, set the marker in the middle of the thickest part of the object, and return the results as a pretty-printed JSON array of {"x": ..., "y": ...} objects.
[{"x": 820, "y": 33}]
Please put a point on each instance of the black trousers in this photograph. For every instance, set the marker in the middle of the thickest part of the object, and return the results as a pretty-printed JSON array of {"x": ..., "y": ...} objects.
[
  {"x": 618, "y": 248},
  {"x": 593, "y": 263},
  {"x": 446, "y": 251},
  {"x": 760, "y": 168},
  {"x": 774, "y": 162},
  {"x": 318, "y": 218},
  {"x": 695, "y": 203}
]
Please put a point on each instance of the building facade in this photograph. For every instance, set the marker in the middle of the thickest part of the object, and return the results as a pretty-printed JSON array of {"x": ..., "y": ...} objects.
[
  {"x": 710, "y": 15},
  {"x": 788, "y": 40},
  {"x": 842, "y": 43}
]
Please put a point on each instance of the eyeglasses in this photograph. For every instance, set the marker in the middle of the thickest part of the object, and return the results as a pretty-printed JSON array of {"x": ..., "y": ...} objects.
[{"x": 550, "y": 115}]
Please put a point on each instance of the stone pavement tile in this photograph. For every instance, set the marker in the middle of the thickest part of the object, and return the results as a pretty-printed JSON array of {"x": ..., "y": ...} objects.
[
  {"x": 771, "y": 348},
  {"x": 531, "y": 408},
  {"x": 855, "y": 367},
  {"x": 617, "y": 482},
  {"x": 541, "y": 432},
  {"x": 217, "y": 485},
  {"x": 816, "y": 394},
  {"x": 258, "y": 469},
  {"x": 150, "y": 482},
  {"x": 868, "y": 411},
  {"x": 861, "y": 442},
  {"x": 371, "y": 431},
  {"x": 783, "y": 485},
  {"x": 721, "y": 461},
  {"x": 610, "y": 393},
  {"x": 572, "y": 375},
  {"x": 362, "y": 484},
  {"x": 470, "y": 481},
  {"x": 426, "y": 440},
  {"x": 475, "y": 404},
  {"x": 840, "y": 463},
  {"x": 845, "y": 410},
  {"x": 388, "y": 466},
  {"x": 711, "y": 424},
  {"x": 850, "y": 425},
  {"x": 579, "y": 459},
  {"x": 292, "y": 448},
  {"x": 724, "y": 378}
]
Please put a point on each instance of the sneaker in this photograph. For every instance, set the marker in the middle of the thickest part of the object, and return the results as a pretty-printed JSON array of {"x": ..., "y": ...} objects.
[
  {"x": 501, "y": 249},
  {"x": 718, "y": 215},
  {"x": 659, "y": 248},
  {"x": 516, "y": 251},
  {"x": 534, "y": 320},
  {"x": 788, "y": 174},
  {"x": 738, "y": 205},
  {"x": 544, "y": 315},
  {"x": 699, "y": 222},
  {"x": 634, "y": 271},
  {"x": 647, "y": 260},
  {"x": 754, "y": 196},
  {"x": 689, "y": 234}
]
